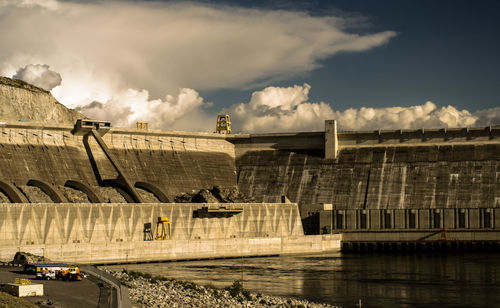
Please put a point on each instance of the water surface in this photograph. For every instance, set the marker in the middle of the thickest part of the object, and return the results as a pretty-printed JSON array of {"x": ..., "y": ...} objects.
[{"x": 379, "y": 280}]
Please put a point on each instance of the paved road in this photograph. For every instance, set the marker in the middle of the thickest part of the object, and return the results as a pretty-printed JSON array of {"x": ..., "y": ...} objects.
[{"x": 90, "y": 292}]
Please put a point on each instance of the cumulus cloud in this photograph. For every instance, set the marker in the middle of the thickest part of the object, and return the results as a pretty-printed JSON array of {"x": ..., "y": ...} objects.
[
  {"x": 104, "y": 47},
  {"x": 276, "y": 109},
  {"x": 131, "y": 106},
  {"x": 426, "y": 115},
  {"x": 39, "y": 75},
  {"x": 488, "y": 116}
]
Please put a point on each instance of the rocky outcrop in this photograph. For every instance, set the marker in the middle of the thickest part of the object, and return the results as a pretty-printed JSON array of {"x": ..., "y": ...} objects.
[{"x": 21, "y": 101}]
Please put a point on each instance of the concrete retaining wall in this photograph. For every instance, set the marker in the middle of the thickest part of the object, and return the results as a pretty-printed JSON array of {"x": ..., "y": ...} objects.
[
  {"x": 95, "y": 253},
  {"x": 422, "y": 236},
  {"x": 103, "y": 233},
  {"x": 30, "y": 224}
]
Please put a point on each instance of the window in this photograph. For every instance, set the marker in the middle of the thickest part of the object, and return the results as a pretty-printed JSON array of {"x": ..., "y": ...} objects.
[
  {"x": 362, "y": 220},
  {"x": 437, "y": 219},
  {"x": 412, "y": 224},
  {"x": 387, "y": 220},
  {"x": 339, "y": 221},
  {"x": 487, "y": 218},
  {"x": 461, "y": 219}
]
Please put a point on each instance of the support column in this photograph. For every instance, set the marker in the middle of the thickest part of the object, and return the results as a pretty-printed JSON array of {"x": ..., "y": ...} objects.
[{"x": 331, "y": 140}]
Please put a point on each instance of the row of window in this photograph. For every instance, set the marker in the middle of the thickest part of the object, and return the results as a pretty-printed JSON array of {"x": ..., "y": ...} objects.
[{"x": 460, "y": 217}]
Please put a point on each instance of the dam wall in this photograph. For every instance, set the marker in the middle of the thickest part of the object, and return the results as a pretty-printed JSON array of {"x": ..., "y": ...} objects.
[
  {"x": 403, "y": 169},
  {"x": 441, "y": 168},
  {"x": 105, "y": 233},
  {"x": 176, "y": 162},
  {"x": 55, "y": 194}
]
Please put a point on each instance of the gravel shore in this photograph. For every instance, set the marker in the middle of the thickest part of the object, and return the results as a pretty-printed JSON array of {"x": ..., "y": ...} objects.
[{"x": 152, "y": 291}]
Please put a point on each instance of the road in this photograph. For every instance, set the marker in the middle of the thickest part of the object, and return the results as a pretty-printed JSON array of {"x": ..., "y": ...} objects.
[{"x": 89, "y": 292}]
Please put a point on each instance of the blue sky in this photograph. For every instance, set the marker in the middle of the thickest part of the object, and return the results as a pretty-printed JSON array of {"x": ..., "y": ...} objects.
[
  {"x": 446, "y": 51},
  {"x": 274, "y": 66}
]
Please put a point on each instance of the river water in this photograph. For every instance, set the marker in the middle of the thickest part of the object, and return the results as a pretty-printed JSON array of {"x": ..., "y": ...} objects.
[{"x": 379, "y": 280}]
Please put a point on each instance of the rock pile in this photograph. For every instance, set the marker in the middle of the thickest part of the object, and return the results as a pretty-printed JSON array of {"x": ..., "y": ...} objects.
[
  {"x": 214, "y": 195},
  {"x": 23, "y": 258},
  {"x": 34, "y": 194},
  {"x": 73, "y": 195},
  {"x": 151, "y": 291}
]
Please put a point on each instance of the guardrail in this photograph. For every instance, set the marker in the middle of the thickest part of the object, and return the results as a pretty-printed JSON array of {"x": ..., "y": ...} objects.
[{"x": 123, "y": 300}]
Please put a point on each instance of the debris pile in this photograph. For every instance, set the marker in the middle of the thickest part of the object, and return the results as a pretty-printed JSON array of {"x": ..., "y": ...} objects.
[
  {"x": 23, "y": 258},
  {"x": 214, "y": 195}
]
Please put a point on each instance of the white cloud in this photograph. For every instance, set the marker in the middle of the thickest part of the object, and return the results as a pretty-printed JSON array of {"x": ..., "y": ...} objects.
[
  {"x": 276, "y": 109},
  {"x": 48, "y": 4},
  {"x": 427, "y": 115},
  {"x": 131, "y": 106},
  {"x": 488, "y": 116},
  {"x": 104, "y": 47},
  {"x": 39, "y": 75}
]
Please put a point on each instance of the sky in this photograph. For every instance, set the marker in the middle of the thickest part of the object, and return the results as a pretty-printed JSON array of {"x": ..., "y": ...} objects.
[{"x": 274, "y": 66}]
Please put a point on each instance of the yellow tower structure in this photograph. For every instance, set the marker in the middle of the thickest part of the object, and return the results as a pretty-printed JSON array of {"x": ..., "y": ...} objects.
[
  {"x": 163, "y": 229},
  {"x": 142, "y": 125},
  {"x": 223, "y": 124}
]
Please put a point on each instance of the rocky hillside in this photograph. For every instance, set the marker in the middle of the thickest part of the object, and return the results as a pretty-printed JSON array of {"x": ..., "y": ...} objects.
[{"x": 21, "y": 101}]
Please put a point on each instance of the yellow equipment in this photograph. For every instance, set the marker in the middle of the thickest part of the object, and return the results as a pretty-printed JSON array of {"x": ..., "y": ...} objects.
[
  {"x": 163, "y": 230},
  {"x": 223, "y": 124},
  {"x": 22, "y": 281},
  {"x": 142, "y": 125}
]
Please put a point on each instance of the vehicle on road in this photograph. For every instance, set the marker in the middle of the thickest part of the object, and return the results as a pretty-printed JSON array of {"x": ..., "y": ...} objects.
[{"x": 60, "y": 271}]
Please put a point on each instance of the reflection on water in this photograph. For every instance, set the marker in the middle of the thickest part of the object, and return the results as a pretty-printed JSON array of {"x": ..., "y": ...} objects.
[{"x": 380, "y": 280}]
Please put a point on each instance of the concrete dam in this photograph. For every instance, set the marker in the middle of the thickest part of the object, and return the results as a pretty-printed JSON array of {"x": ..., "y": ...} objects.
[
  {"x": 374, "y": 170},
  {"x": 73, "y": 197}
]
